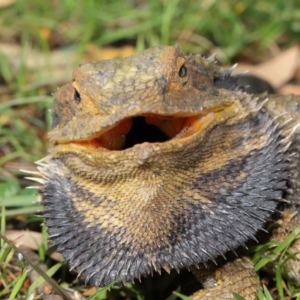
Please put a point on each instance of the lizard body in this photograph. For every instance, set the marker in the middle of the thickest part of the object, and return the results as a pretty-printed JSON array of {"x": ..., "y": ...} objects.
[{"x": 157, "y": 161}]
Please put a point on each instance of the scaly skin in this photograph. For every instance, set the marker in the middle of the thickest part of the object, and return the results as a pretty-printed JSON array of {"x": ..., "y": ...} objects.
[
  {"x": 236, "y": 275},
  {"x": 121, "y": 202}
]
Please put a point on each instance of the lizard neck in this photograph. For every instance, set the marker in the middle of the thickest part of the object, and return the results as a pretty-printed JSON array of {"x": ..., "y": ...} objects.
[{"x": 188, "y": 206}]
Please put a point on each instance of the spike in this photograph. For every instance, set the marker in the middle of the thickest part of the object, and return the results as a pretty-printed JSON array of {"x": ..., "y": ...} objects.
[
  {"x": 292, "y": 131},
  {"x": 227, "y": 72},
  {"x": 33, "y": 187},
  {"x": 285, "y": 200},
  {"x": 52, "y": 235},
  {"x": 167, "y": 269},
  {"x": 287, "y": 146},
  {"x": 263, "y": 229},
  {"x": 30, "y": 172},
  {"x": 260, "y": 105},
  {"x": 212, "y": 57},
  {"x": 286, "y": 122},
  {"x": 44, "y": 161},
  {"x": 177, "y": 47},
  {"x": 42, "y": 169},
  {"x": 39, "y": 180},
  {"x": 238, "y": 75},
  {"x": 89, "y": 276}
]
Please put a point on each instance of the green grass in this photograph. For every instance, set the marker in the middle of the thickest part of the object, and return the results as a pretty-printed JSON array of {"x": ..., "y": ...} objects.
[
  {"x": 232, "y": 26},
  {"x": 275, "y": 255},
  {"x": 233, "y": 29}
]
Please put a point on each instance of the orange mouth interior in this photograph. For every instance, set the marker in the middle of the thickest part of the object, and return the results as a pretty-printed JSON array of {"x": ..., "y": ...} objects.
[{"x": 147, "y": 128}]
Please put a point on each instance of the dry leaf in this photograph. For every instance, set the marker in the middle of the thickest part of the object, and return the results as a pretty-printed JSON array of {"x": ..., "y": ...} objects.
[
  {"x": 26, "y": 238},
  {"x": 30, "y": 239},
  {"x": 93, "y": 52},
  {"x": 53, "y": 68},
  {"x": 57, "y": 256},
  {"x": 297, "y": 74},
  {"x": 34, "y": 59},
  {"x": 89, "y": 292},
  {"x": 56, "y": 67},
  {"x": 278, "y": 70},
  {"x": 290, "y": 89},
  {"x": 5, "y": 3}
]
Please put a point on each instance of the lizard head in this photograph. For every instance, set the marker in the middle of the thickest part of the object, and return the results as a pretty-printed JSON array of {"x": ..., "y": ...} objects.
[
  {"x": 155, "y": 165},
  {"x": 160, "y": 86}
]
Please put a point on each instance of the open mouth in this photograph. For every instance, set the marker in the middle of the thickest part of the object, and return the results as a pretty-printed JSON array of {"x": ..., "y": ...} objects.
[{"x": 147, "y": 128}]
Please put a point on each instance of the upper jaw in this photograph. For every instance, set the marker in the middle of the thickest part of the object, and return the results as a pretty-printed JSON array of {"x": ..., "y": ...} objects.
[{"x": 170, "y": 115}]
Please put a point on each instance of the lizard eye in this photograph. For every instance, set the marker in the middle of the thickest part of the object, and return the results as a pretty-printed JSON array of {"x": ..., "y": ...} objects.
[
  {"x": 76, "y": 96},
  {"x": 182, "y": 71}
]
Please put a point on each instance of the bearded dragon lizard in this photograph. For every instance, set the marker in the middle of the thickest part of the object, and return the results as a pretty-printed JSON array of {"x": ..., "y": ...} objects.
[{"x": 158, "y": 161}]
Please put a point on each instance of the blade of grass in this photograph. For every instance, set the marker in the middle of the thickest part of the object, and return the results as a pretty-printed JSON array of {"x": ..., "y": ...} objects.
[
  {"x": 101, "y": 293},
  {"x": 20, "y": 200},
  {"x": 237, "y": 296},
  {"x": 183, "y": 297},
  {"x": 40, "y": 281},
  {"x": 5, "y": 249},
  {"x": 22, "y": 101},
  {"x": 173, "y": 296},
  {"x": 23, "y": 211},
  {"x": 281, "y": 247},
  {"x": 18, "y": 285},
  {"x": 267, "y": 294},
  {"x": 279, "y": 282},
  {"x": 52, "y": 282},
  {"x": 170, "y": 8}
]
